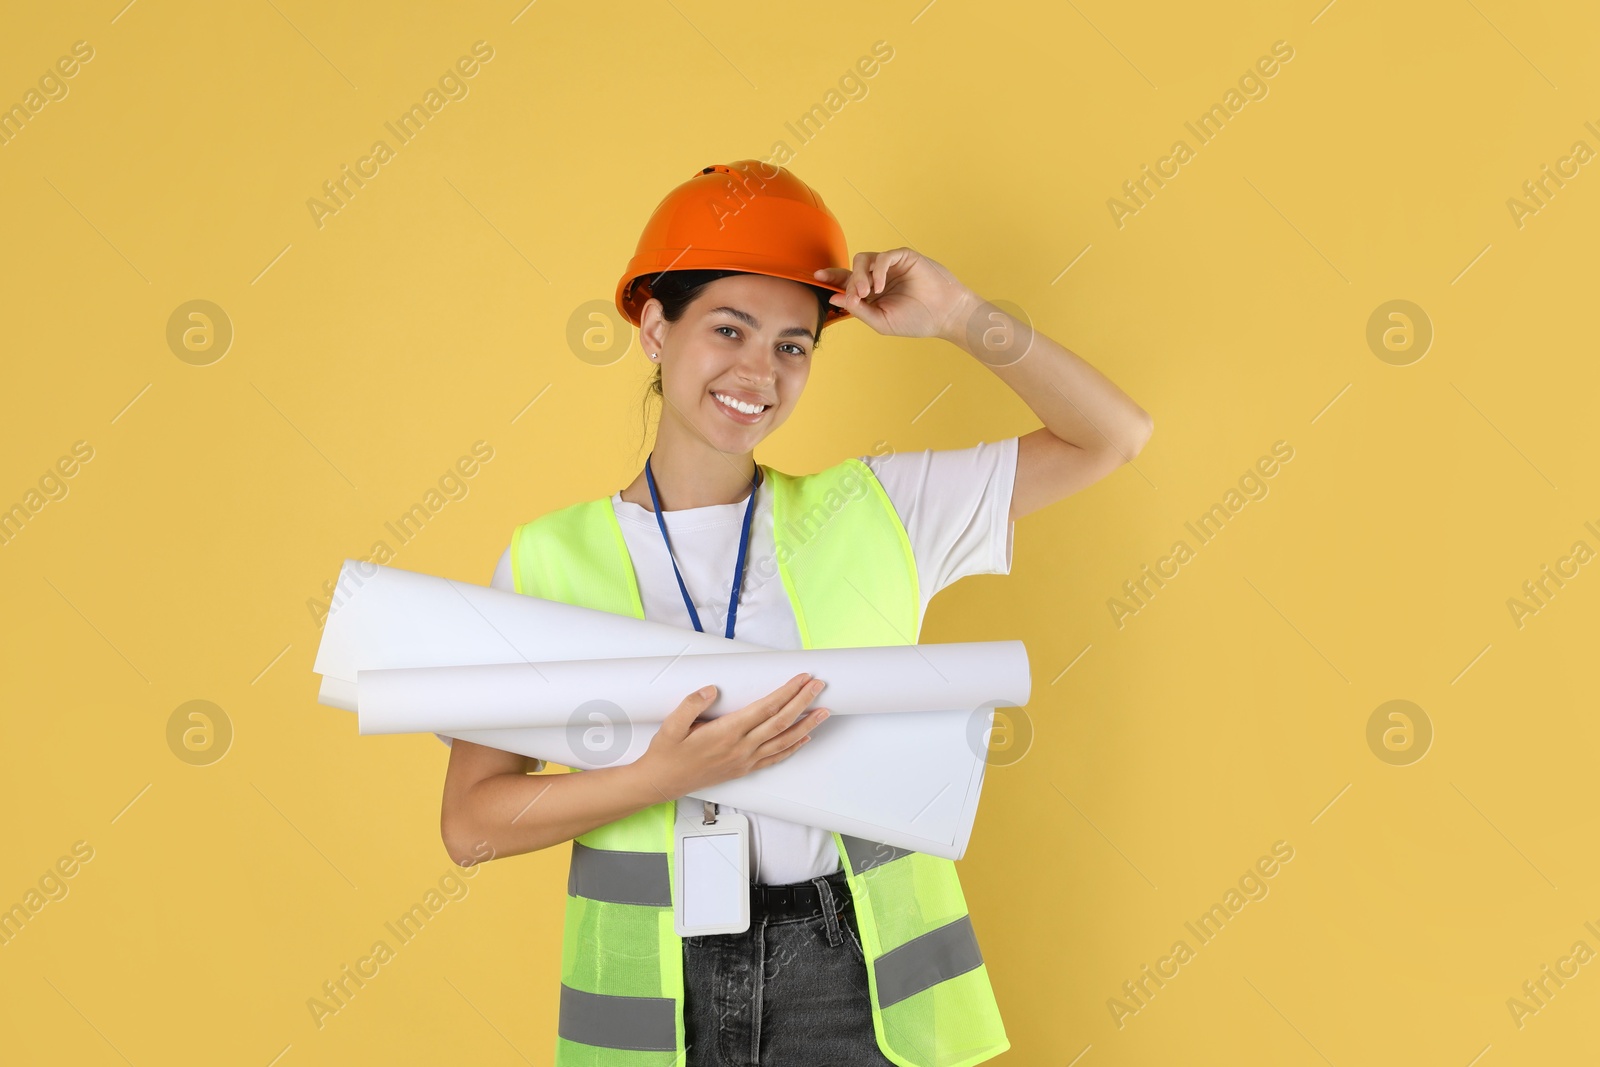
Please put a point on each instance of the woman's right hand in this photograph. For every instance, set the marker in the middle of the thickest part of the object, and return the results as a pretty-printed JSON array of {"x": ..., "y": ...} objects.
[{"x": 686, "y": 755}]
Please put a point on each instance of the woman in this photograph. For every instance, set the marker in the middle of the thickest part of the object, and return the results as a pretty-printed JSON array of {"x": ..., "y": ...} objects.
[{"x": 856, "y": 953}]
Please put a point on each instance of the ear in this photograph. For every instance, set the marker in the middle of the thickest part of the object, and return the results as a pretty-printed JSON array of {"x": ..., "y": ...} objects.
[{"x": 652, "y": 327}]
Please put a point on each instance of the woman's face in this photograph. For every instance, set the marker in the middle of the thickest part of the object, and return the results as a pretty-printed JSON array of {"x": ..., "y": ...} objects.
[{"x": 746, "y": 338}]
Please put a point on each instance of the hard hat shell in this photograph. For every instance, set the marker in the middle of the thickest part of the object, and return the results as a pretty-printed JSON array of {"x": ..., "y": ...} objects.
[{"x": 749, "y": 216}]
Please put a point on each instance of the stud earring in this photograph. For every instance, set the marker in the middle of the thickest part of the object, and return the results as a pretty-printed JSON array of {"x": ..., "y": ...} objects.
[{"x": 653, "y": 355}]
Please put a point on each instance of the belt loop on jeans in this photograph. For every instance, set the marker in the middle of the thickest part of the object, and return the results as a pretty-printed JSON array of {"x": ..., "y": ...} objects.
[{"x": 830, "y": 914}]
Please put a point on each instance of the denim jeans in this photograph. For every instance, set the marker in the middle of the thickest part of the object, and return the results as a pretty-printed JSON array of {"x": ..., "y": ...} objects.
[{"x": 784, "y": 992}]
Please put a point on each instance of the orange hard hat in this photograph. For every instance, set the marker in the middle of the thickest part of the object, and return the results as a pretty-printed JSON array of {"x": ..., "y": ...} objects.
[{"x": 749, "y": 216}]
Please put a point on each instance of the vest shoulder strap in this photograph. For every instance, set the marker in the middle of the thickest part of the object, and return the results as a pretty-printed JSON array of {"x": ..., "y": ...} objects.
[
  {"x": 857, "y": 585},
  {"x": 576, "y": 555}
]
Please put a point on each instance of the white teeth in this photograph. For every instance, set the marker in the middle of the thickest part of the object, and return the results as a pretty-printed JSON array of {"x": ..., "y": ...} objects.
[{"x": 740, "y": 405}]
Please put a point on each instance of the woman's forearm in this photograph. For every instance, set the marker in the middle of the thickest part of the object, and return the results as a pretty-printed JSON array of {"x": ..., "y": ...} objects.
[
  {"x": 1075, "y": 401},
  {"x": 515, "y": 813}
]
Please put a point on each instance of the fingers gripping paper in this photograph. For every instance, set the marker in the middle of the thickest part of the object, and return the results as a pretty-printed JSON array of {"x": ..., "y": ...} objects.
[{"x": 901, "y": 761}]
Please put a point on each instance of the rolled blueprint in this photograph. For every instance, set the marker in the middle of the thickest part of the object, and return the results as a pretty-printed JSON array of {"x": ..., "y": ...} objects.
[
  {"x": 860, "y": 681},
  {"x": 911, "y": 779},
  {"x": 387, "y": 617}
]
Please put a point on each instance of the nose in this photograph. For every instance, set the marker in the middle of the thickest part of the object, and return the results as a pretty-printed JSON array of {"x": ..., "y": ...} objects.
[{"x": 756, "y": 365}]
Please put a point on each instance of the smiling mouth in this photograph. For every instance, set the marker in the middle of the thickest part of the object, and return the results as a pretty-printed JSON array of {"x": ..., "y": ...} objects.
[{"x": 738, "y": 407}]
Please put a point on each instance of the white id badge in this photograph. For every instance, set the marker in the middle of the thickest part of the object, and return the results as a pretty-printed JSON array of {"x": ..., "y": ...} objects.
[{"x": 711, "y": 869}]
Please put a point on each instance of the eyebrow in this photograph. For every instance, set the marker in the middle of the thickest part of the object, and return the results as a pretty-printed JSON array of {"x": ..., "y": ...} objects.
[{"x": 750, "y": 320}]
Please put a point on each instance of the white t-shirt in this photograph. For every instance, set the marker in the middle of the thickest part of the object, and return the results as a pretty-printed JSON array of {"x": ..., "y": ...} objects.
[{"x": 954, "y": 505}]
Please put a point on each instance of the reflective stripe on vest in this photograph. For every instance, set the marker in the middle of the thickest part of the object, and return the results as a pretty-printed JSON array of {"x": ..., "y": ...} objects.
[
  {"x": 863, "y": 855},
  {"x": 619, "y": 877},
  {"x": 646, "y": 1024},
  {"x": 926, "y": 961},
  {"x": 849, "y": 574}
]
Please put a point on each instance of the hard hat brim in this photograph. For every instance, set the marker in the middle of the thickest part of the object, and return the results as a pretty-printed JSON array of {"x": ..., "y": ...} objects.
[{"x": 633, "y": 290}]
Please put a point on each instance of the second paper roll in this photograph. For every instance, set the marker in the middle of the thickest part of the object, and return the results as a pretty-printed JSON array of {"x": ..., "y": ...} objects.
[{"x": 860, "y": 681}]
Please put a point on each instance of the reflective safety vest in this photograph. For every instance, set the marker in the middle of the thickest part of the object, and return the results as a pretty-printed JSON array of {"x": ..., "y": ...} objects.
[{"x": 849, "y": 573}]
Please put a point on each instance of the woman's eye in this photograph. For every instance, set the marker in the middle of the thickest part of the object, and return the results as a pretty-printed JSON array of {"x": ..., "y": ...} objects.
[{"x": 790, "y": 349}]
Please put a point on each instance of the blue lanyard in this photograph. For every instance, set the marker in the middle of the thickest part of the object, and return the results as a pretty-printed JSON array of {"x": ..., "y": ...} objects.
[{"x": 738, "y": 567}]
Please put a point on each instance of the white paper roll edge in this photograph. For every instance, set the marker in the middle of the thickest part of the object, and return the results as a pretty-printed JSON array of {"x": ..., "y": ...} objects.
[{"x": 645, "y": 689}]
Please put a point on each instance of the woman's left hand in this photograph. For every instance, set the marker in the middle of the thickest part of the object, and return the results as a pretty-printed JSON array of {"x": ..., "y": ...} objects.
[{"x": 901, "y": 293}]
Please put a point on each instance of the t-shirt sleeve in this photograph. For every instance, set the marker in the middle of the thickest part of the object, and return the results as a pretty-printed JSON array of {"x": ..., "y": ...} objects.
[
  {"x": 956, "y": 507},
  {"x": 502, "y": 573}
]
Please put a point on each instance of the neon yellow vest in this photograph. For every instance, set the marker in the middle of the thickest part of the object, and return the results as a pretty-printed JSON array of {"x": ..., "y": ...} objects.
[{"x": 851, "y": 579}]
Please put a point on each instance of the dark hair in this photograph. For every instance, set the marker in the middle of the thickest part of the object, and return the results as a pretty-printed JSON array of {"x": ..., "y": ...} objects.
[{"x": 677, "y": 289}]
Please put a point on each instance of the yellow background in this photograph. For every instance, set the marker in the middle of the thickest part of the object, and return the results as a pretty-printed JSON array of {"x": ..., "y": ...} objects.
[{"x": 1229, "y": 713}]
